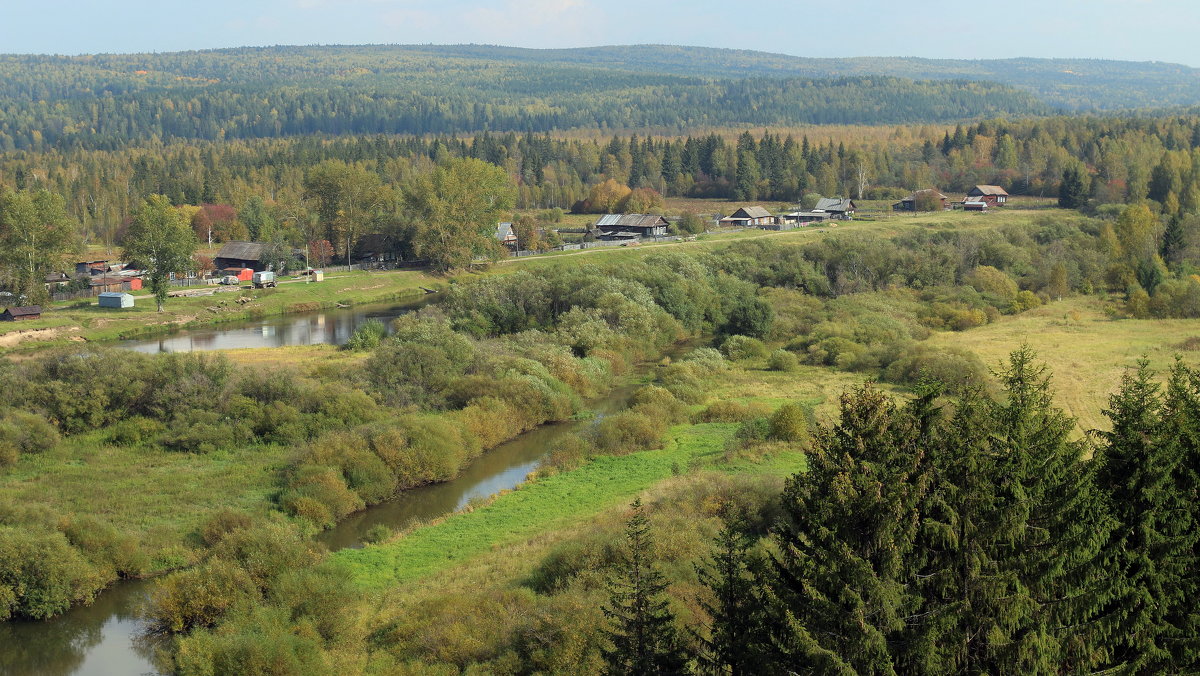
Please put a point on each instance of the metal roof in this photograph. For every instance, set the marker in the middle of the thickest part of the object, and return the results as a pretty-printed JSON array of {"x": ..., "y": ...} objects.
[
  {"x": 990, "y": 190},
  {"x": 834, "y": 204},
  {"x": 913, "y": 196},
  {"x": 631, "y": 220},
  {"x": 504, "y": 231},
  {"x": 242, "y": 251}
]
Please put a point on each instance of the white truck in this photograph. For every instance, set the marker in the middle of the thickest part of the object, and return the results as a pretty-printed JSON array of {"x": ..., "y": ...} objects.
[{"x": 264, "y": 280}]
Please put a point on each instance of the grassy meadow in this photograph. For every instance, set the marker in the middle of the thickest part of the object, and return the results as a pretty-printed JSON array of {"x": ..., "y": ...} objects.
[{"x": 1086, "y": 350}]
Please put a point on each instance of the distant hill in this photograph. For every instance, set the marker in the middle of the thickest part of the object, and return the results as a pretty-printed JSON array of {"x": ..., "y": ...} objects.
[
  {"x": 110, "y": 100},
  {"x": 1077, "y": 84}
]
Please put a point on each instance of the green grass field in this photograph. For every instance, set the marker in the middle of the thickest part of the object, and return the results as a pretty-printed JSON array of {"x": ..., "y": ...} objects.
[{"x": 549, "y": 504}]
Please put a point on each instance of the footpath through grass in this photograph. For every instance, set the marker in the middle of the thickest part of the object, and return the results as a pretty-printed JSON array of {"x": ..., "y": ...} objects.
[{"x": 547, "y": 504}]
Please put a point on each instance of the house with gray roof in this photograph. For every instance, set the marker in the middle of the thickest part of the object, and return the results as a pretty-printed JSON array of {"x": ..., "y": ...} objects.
[
  {"x": 746, "y": 217},
  {"x": 619, "y": 226},
  {"x": 241, "y": 255},
  {"x": 838, "y": 208}
]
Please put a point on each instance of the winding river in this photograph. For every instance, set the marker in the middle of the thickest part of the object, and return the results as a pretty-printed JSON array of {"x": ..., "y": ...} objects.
[{"x": 103, "y": 638}]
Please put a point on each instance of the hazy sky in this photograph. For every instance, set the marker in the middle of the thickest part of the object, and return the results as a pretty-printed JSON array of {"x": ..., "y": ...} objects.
[{"x": 1139, "y": 30}]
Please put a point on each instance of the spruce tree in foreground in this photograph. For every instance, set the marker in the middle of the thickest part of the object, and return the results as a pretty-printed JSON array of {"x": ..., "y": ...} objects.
[
  {"x": 1151, "y": 554},
  {"x": 734, "y": 642},
  {"x": 848, "y": 529},
  {"x": 644, "y": 639}
]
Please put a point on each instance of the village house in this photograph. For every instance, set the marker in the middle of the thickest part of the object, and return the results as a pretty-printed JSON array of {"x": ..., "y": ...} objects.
[
  {"x": 20, "y": 314},
  {"x": 991, "y": 195},
  {"x": 612, "y": 227},
  {"x": 746, "y": 217},
  {"x": 910, "y": 203},
  {"x": 838, "y": 208},
  {"x": 376, "y": 248},
  {"x": 241, "y": 255},
  {"x": 507, "y": 236},
  {"x": 91, "y": 267}
]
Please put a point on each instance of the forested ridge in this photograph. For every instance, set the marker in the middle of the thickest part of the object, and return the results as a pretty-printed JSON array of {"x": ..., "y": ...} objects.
[{"x": 107, "y": 101}]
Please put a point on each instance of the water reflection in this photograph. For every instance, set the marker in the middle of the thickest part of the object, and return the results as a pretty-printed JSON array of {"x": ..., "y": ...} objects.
[
  {"x": 332, "y": 327},
  {"x": 95, "y": 640}
]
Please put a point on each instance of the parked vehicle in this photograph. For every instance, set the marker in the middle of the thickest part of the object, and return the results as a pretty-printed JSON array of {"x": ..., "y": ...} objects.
[
  {"x": 264, "y": 280},
  {"x": 231, "y": 280}
]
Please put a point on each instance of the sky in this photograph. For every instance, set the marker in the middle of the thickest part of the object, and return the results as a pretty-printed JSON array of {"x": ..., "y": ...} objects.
[{"x": 1135, "y": 30}]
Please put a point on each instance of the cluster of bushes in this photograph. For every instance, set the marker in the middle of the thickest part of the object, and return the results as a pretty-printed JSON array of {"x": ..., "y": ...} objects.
[
  {"x": 49, "y": 562},
  {"x": 186, "y": 402},
  {"x": 24, "y": 432},
  {"x": 279, "y": 608}
]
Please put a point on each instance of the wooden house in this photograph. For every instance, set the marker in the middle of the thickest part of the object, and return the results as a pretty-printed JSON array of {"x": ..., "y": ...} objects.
[
  {"x": 108, "y": 284},
  {"x": 507, "y": 236},
  {"x": 376, "y": 248},
  {"x": 838, "y": 208},
  {"x": 20, "y": 314},
  {"x": 992, "y": 195},
  {"x": 91, "y": 267},
  {"x": 748, "y": 217},
  {"x": 241, "y": 255},
  {"x": 910, "y": 203},
  {"x": 641, "y": 225}
]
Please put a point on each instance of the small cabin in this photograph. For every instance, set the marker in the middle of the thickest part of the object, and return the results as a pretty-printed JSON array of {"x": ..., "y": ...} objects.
[
  {"x": 748, "y": 217},
  {"x": 991, "y": 195},
  {"x": 910, "y": 203},
  {"x": 20, "y": 314},
  {"x": 974, "y": 204},
  {"x": 115, "y": 300}
]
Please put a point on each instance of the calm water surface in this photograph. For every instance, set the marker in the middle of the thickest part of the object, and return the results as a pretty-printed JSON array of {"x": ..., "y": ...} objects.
[{"x": 332, "y": 327}]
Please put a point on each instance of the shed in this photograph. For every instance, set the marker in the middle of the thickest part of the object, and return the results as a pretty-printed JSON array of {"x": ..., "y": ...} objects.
[
  {"x": 91, "y": 267},
  {"x": 116, "y": 300},
  {"x": 749, "y": 216},
  {"x": 108, "y": 283},
  {"x": 241, "y": 255},
  {"x": 974, "y": 204},
  {"x": 243, "y": 274},
  {"x": 20, "y": 314}
]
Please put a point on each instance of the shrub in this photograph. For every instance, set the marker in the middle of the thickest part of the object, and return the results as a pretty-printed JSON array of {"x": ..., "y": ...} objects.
[
  {"x": 789, "y": 423},
  {"x": 200, "y": 431},
  {"x": 730, "y": 412},
  {"x": 753, "y": 430},
  {"x": 627, "y": 432},
  {"x": 135, "y": 431},
  {"x": 377, "y": 533},
  {"x": 367, "y": 336},
  {"x": 326, "y": 487},
  {"x": 568, "y": 452},
  {"x": 200, "y": 596},
  {"x": 112, "y": 552},
  {"x": 737, "y": 348},
  {"x": 1025, "y": 300},
  {"x": 954, "y": 368},
  {"x": 42, "y": 575},
  {"x": 782, "y": 360},
  {"x": 27, "y": 432},
  {"x": 221, "y": 523},
  {"x": 658, "y": 402}
]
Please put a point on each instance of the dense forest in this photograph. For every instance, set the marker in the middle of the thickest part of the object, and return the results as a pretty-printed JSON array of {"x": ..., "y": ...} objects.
[{"x": 264, "y": 183}]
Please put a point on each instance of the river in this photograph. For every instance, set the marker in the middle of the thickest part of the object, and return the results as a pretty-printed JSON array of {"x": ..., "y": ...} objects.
[
  {"x": 318, "y": 327},
  {"x": 102, "y": 639}
]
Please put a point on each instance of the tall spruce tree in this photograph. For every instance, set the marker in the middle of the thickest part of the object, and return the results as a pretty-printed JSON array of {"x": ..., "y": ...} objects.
[
  {"x": 734, "y": 643},
  {"x": 849, "y": 523},
  {"x": 1148, "y": 554},
  {"x": 644, "y": 638}
]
